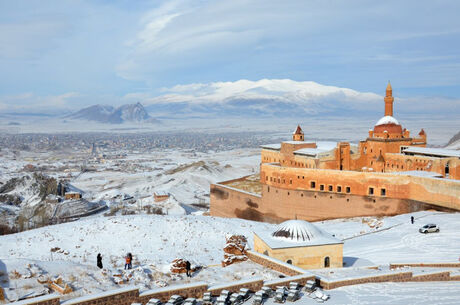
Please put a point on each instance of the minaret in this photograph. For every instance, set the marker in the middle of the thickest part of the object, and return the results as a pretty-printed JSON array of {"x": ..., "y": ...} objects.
[{"x": 389, "y": 100}]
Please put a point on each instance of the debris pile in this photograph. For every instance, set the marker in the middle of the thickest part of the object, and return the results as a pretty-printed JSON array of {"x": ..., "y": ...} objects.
[{"x": 235, "y": 249}]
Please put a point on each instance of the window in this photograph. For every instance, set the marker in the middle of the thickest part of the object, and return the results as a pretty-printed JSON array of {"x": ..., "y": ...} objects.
[
  {"x": 266, "y": 178},
  {"x": 348, "y": 190},
  {"x": 339, "y": 189},
  {"x": 321, "y": 187},
  {"x": 330, "y": 188},
  {"x": 288, "y": 194},
  {"x": 312, "y": 184},
  {"x": 383, "y": 192},
  {"x": 327, "y": 262},
  {"x": 266, "y": 252},
  {"x": 371, "y": 191},
  {"x": 290, "y": 181}
]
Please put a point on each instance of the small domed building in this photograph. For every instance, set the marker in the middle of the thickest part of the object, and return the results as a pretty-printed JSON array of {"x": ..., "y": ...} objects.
[{"x": 302, "y": 244}]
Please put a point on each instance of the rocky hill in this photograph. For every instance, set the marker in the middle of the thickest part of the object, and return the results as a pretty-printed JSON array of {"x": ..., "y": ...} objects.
[{"x": 134, "y": 113}]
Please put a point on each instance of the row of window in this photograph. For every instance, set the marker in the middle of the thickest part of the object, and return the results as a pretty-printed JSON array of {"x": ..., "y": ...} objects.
[{"x": 330, "y": 187}]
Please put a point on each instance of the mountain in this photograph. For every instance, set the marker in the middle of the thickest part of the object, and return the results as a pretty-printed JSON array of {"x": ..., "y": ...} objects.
[
  {"x": 285, "y": 98},
  {"x": 454, "y": 142},
  {"x": 107, "y": 114}
]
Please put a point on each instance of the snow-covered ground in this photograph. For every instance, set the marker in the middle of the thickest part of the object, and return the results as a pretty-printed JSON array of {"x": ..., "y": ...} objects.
[{"x": 155, "y": 240}]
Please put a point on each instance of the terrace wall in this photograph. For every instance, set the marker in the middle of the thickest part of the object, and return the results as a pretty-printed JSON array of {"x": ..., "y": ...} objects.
[
  {"x": 253, "y": 284},
  {"x": 194, "y": 290}
]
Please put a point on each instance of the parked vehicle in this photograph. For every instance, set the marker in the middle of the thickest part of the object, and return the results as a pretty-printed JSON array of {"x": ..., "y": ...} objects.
[
  {"x": 294, "y": 285},
  {"x": 207, "y": 298},
  {"x": 225, "y": 294},
  {"x": 258, "y": 299},
  {"x": 310, "y": 286},
  {"x": 221, "y": 300},
  {"x": 429, "y": 228},
  {"x": 176, "y": 299},
  {"x": 245, "y": 294},
  {"x": 154, "y": 302},
  {"x": 280, "y": 295},
  {"x": 293, "y": 295},
  {"x": 190, "y": 301},
  {"x": 236, "y": 299},
  {"x": 268, "y": 291}
]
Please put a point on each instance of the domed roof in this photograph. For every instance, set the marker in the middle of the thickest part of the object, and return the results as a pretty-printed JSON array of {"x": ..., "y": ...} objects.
[
  {"x": 297, "y": 230},
  {"x": 387, "y": 120}
]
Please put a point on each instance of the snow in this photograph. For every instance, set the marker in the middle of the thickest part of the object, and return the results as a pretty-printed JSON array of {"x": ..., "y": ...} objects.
[
  {"x": 437, "y": 152},
  {"x": 276, "y": 146},
  {"x": 419, "y": 174},
  {"x": 387, "y": 120},
  {"x": 313, "y": 152}
]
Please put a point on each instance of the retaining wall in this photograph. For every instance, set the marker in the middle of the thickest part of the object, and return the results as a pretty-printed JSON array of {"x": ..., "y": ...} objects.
[
  {"x": 301, "y": 279},
  {"x": 433, "y": 265},
  {"x": 124, "y": 296},
  {"x": 253, "y": 284},
  {"x": 194, "y": 290},
  {"x": 51, "y": 299},
  {"x": 394, "y": 277}
]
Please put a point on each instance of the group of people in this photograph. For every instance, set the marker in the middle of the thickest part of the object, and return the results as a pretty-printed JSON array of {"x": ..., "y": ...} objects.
[{"x": 128, "y": 261}]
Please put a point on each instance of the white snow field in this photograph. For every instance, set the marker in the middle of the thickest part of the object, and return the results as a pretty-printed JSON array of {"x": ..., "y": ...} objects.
[{"x": 156, "y": 240}]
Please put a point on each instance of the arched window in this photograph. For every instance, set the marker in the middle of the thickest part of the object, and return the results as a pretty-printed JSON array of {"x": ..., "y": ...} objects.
[
  {"x": 289, "y": 262},
  {"x": 327, "y": 262}
]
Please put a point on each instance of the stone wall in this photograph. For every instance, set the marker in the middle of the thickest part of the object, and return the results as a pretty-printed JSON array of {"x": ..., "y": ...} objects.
[
  {"x": 395, "y": 277},
  {"x": 433, "y": 265},
  {"x": 301, "y": 279},
  {"x": 194, "y": 290},
  {"x": 43, "y": 300},
  {"x": 274, "y": 264},
  {"x": 124, "y": 296},
  {"x": 253, "y": 284}
]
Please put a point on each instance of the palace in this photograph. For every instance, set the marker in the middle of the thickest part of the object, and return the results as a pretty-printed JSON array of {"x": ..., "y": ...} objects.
[{"x": 391, "y": 172}]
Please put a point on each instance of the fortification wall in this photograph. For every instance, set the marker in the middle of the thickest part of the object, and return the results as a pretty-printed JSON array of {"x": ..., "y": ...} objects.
[{"x": 440, "y": 192}]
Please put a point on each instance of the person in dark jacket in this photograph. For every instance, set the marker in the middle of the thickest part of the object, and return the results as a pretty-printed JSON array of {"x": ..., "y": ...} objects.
[
  {"x": 99, "y": 260},
  {"x": 128, "y": 261},
  {"x": 412, "y": 219},
  {"x": 187, "y": 268}
]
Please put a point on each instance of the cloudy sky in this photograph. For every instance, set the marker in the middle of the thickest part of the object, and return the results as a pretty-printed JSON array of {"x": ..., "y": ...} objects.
[{"x": 68, "y": 54}]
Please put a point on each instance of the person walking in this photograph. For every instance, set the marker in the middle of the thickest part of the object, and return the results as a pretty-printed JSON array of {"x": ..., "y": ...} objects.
[
  {"x": 99, "y": 260},
  {"x": 412, "y": 219},
  {"x": 128, "y": 261},
  {"x": 187, "y": 269}
]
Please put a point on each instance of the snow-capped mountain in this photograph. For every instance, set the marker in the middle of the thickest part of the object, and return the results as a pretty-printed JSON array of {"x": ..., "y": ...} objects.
[
  {"x": 454, "y": 142},
  {"x": 109, "y": 114},
  {"x": 266, "y": 97}
]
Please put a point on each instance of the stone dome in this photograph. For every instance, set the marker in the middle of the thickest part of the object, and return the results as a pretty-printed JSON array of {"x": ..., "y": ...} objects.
[
  {"x": 387, "y": 120},
  {"x": 297, "y": 230}
]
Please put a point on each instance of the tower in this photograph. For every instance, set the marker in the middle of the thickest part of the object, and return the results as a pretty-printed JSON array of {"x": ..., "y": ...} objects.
[
  {"x": 298, "y": 134},
  {"x": 389, "y": 100}
]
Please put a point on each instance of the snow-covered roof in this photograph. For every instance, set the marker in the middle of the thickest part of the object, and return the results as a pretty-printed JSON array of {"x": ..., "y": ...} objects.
[
  {"x": 436, "y": 152},
  {"x": 311, "y": 152},
  {"x": 276, "y": 146},
  {"x": 295, "y": 142},
  {"x": 161, "y": 193},
  {"x": 388, "y": 119},
  {"x": 297, "y": 233},
  {"x": 420, "y": 174}
]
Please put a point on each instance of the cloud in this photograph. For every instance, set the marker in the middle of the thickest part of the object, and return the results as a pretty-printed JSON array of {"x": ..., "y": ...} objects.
[{"x": 29, "y": 102}]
